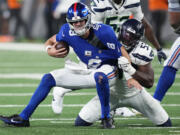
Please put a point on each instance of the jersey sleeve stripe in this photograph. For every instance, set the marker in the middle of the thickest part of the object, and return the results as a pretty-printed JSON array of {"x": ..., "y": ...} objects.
[
  {"x": 142, "y": 57},
  {"x": 102, "y": 9},
  {"x": 112, "y": 74},
  {"x": 132, "y": 5},
  {"x": 174, "y": 57}
]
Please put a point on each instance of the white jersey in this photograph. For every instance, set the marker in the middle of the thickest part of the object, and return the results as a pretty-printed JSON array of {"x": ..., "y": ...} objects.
[
  {"x": 122, "y": 96},
  {"x": 174, "y": 5},
  {"x": 142, "y": 54},
  {"x": 107, "y": 12}
]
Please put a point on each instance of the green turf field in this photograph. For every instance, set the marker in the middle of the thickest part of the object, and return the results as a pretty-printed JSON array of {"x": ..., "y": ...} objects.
[{"x": 20, "y": 73}]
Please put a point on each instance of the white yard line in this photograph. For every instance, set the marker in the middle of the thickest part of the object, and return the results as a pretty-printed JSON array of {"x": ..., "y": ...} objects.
[
  {"x": 19, "y": 85},
  {"x": 22, "y": 47},
  {"x": 73, "y": 105},
  {"x": 116, "y": 118},
  {"x": 36, "y": 84},
  {"x": 35, "y": 47},
  {"x": 38, "y": 76},
  {"x": 71, "y": 94},
  {"x": 68, "y": 94},
  {"x": 155, "y": 128}
]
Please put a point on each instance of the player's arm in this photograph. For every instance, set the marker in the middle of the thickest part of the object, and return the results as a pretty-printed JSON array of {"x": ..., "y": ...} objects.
[
  {"x": 125, "y": 54},
  {"x": 131, "y": 82},
  {"x": 144, "y": 75},
  {"x": 137, "y": 14},
  {"x": 50, "y": 46},
  {"x": 174, "y": 18},
  {"x": 150, "y": 35}
]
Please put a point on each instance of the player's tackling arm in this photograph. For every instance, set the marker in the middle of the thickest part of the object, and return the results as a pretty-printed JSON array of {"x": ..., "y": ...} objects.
[
  {"x": 125, "y": 54},
  {"x": 145, "y": 75},
  {"x": 131, "y": 82}
]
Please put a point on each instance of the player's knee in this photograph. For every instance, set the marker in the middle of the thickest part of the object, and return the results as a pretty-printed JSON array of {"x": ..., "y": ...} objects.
[
  {"x": 100, "y": 77},
  {"x": 166, "y": 124},
  {"x": 80, "y": 122},
  {"x": 48, "y": 80},
  {"x": 170, "y": 69}
]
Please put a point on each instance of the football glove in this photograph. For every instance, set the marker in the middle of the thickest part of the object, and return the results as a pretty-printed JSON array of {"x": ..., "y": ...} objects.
[
  {"x": 124, "y": 64},
  {"x": 161, "y": 55}
]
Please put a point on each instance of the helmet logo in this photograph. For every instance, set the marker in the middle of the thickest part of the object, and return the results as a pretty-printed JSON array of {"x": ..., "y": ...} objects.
[
  {"x": 139, "y": 26},
  {"x": 131, "y": 30},
  {"x": 75, "y": 15}
]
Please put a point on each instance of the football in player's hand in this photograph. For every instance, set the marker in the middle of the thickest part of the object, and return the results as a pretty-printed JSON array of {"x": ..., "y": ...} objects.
[{"x": 61, "y": 45}]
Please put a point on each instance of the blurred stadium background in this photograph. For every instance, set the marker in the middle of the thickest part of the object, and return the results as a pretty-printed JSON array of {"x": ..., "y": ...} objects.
[
  {"x": 42, "y": 18},
  {"x": 24, "y": 60}
]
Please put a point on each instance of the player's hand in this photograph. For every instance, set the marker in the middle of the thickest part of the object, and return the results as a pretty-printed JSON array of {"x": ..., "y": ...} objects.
[
  {"x": 133, "y": 83},
  {"x": 161, "y": 55},
  {"x": 125, "y": 65},
  {"x": 60, "y": 53}
]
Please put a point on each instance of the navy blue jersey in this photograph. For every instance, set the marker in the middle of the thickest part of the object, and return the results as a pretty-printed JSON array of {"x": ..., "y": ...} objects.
[{"x": 101, "y": 47}]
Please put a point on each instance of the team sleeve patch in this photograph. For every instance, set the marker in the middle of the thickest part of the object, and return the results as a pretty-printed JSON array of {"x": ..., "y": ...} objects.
[{"x": 101, "y": 9}]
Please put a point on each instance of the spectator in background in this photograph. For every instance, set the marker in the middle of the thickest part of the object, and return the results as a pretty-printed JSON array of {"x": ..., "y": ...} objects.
[
  {"x": 52, "y": 26},
  {"x": 60, "y": 11},
  {"x": 15, "y": 7},
  {"x": 4, "y": 24},
  {"x": 158, "y": 9}
]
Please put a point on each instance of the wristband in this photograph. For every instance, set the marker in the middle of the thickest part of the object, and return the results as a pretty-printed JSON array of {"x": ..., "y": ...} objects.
[
  {"x": 48, "y": 47},
  {"x": 131, "y": 70},
  {"x": 127, "y": 76}
]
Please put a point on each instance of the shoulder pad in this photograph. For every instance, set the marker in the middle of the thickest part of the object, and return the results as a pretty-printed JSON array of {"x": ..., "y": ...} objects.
[
  {"x": 130, "y": 2},
  {"x": 100, "y": 5},
  {"x": 142, "y": 54}
]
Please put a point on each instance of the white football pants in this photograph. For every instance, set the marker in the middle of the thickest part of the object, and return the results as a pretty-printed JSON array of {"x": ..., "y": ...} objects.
[{"x": 141, "y": 101}]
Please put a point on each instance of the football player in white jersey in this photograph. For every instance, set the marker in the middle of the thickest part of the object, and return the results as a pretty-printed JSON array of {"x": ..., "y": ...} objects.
[
  {"x": 172, "y": 64},
  {"x": 115, "y": 12},
  {"x": 121, "y": 95}
]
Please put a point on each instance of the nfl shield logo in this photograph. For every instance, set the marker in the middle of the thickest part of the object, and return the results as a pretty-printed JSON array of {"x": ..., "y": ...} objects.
[{"x": 88, "y": 53}]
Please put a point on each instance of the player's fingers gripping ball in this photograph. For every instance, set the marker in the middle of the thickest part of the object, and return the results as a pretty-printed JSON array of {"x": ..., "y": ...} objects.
[{"x": 63, "y": 49}]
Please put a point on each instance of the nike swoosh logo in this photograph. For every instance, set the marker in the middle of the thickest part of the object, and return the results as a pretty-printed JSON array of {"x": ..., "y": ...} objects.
[{"x": 13, "y": 121}]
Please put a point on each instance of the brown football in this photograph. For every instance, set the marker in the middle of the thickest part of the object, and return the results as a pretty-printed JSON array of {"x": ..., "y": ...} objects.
[{"x": 62, "y": 44}]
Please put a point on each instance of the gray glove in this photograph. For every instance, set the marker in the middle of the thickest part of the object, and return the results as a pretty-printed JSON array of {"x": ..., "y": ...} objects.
[{"x": 161, "y": 55}]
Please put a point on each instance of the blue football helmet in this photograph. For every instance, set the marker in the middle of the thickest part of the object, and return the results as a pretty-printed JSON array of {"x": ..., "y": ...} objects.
[
  {"x": 79, "y": 12},
  {"x": 132, "y": 31}
]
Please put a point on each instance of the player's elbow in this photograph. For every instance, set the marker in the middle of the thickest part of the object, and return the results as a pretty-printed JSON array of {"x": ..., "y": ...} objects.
[
  {"x": 149, "y": 82},
  {"x": 174, "y": 25},
  {"x": 149, "y": 85}
]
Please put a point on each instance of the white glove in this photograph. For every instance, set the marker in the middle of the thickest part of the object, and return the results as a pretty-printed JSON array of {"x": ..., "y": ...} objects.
[{"x": 124, "y": 64}]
